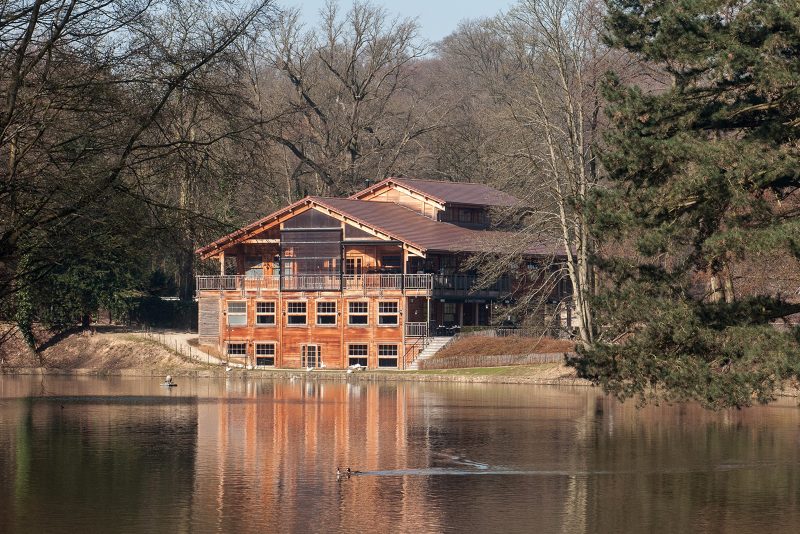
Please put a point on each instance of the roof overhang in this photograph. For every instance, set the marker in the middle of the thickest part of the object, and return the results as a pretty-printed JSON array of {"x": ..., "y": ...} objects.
[{"x": 249, "y": 232}]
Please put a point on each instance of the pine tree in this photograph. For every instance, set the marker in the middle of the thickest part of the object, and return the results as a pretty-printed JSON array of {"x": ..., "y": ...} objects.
[{"x": 704, "y": 174}]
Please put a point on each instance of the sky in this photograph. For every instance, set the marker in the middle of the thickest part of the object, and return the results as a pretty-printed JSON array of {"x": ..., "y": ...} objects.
[{"x": 437, "y": 18}]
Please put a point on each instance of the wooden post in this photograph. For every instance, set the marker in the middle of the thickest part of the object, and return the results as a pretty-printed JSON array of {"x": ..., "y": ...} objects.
[
  {"x": 428, "y": 315},
  {"x": 222, "y": 264}
]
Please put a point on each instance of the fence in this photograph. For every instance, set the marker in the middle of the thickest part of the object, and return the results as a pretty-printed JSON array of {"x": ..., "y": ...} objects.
[{"x": 463, "y": 361}]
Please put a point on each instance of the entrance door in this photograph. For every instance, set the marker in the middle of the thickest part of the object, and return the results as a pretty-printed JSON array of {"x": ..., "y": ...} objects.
[
  {"x": 353, "y": 266},
  {"x": 310, "y": 356}
]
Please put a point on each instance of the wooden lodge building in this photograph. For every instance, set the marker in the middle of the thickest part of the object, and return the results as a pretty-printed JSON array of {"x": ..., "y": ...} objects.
[{"x": 367, "y": 280}]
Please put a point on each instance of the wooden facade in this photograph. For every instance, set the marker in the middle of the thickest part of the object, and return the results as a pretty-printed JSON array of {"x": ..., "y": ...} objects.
[{"x": 332, "y": 283}]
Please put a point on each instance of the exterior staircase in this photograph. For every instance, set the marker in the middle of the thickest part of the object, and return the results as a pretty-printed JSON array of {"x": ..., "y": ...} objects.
[{"x": 434, "y": 345}]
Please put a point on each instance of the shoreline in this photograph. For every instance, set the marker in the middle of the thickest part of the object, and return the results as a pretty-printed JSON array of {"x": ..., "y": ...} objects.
[{"x": 467, "y": 376}]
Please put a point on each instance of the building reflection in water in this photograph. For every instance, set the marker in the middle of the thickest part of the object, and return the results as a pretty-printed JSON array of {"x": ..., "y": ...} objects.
[
  {"x": 269, "y": 450},
  {"x": 260, "y": 456}
]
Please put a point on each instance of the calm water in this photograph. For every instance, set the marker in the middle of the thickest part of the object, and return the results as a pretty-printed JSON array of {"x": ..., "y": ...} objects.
[{"x": 126, "y": 455}]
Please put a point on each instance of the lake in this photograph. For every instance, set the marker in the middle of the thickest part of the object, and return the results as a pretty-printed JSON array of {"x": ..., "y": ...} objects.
[{"x": 80, "y": 454}]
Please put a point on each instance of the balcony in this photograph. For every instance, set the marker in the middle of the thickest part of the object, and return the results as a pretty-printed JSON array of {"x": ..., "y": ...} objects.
[
  {"x": 438, "y": 285},
  {"x": 416, "y": 283},
  {"x": 461, "y": 285}
]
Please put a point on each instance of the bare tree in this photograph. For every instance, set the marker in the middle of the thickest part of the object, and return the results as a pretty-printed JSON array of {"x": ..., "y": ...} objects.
[
  {"x": 349, "y": 110},
  {"x": 539, "y": 68},
  {"x": 84, "y": 85}
]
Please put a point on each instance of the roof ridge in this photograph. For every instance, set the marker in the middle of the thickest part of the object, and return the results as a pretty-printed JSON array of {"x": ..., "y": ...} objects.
[{"x": 436, "y": 181}]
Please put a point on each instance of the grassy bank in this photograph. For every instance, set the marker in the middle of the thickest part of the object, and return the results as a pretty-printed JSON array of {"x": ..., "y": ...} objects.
[
  {"x": 495, "y": 346},
  {"x": 99, "y": 350},
  {"x": 114, "y": 352}
]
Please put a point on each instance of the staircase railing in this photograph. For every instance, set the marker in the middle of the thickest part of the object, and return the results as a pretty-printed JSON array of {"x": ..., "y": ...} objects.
[{"x": 414, "y": 350}]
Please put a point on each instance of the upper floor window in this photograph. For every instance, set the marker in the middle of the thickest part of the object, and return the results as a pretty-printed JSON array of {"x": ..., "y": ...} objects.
[
  {"x": 392, "y": 263},
  {"x": 253, "y": 267},
  {"x": 296, "y": 313},
  {"x": 353, "y": 266},
  {"x": 358, "y": 313},
  {"x": 237, "y": 312},
  {"x": 326, "y": 313},
  {"x": 265, "y": 313},
  {"x": 388, "y": 313}
]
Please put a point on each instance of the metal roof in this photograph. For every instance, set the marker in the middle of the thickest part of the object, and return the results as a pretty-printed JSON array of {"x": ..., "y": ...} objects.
[
  {"x": 426, "y": 234},
  {"x": 461, "y": 193},
  {"x": 397, "y": 222}
]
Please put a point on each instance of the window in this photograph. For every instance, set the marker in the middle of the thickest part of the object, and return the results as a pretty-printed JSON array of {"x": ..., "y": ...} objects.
[
  {"x": 237, "y": 349},
  {"x": 387, "y": 355},
  {"x": 311, "y": 356},
  {"x": 357, "y": 354},
  {"x": 326, "y": 313},
  {"x": 265, "y": 354},
  {"x": 265, "y": 313},
  {"x": 392, "y": 263},
  {"x": 296, "y": 313},
  {"x": 352, "y": 266},
  {"x": 388, "y": 313},
  {"x": 449, "y": 312},
  {"x": 358, "y": 313},
  {"x": 237, "y": 313},
  {"x": 253, "y": 267}
]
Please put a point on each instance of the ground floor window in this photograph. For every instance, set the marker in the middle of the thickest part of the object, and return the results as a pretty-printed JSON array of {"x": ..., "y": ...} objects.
[
  {"x": 449, "y": 313},
  {"x": 387, "y": 355},
  {"x": 310, "y": 356},
  {"x": 357, "y": 354},
  {"x": 237, "y": 349},
  {"x": 265, "y": 354}
]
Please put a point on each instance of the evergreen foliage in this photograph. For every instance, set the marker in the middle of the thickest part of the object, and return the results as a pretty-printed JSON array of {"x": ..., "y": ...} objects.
[{"x": 704, "y": 175}]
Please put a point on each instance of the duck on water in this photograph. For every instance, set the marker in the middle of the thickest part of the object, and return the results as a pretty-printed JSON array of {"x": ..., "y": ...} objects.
[
  {"x": 169, "y": 383},
  {"x": 346, "y": 472}
]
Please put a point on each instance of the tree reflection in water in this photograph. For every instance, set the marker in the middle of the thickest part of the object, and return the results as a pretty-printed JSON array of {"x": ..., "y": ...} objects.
[{"x": 261, "y": 455}]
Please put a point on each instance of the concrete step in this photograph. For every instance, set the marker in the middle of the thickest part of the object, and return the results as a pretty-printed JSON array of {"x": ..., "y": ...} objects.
[{"x": 434, "y": 345}]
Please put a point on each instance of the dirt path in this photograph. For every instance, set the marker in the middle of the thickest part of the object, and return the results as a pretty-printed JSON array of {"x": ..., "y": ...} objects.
[{"x": 179, "y": 342}]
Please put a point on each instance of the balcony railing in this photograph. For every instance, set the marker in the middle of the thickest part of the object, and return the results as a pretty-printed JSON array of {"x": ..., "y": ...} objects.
[
  {"x": 416, "y": 329},
  {"x": 402, "y": 282},
  {"x": 467, "y": 283}
]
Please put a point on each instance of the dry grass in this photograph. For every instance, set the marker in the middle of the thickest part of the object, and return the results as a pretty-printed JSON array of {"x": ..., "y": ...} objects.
[
  {"x": 543, "y": 371},
  {"x": 495, "y": 346},
  {"x": 101, "y": 351}
]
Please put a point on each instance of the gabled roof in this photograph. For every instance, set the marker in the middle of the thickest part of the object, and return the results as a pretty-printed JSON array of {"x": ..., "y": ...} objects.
[
  {"x": 461, "y": 193},
  {"x": 386, "y": 219}
]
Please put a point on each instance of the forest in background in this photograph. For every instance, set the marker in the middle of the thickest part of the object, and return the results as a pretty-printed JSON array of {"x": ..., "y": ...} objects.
[{"x": 657, "y": 143}]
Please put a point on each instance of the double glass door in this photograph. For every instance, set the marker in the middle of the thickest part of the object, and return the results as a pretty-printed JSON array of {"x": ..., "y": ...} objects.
[{"x": 310, "y": 356}]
